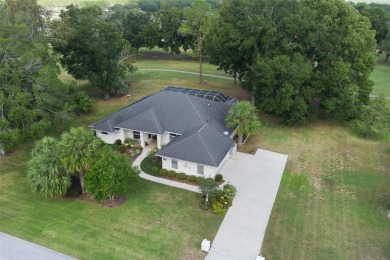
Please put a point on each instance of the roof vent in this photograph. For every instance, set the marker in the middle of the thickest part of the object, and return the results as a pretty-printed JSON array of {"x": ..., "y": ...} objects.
[{"x": 226, "y": 133}]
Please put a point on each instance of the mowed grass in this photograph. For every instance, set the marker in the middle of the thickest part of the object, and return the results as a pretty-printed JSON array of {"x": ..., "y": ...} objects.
[
  {"x": 381, "y": 77},
  {"x": 334, "y": 195},
  {"x": 156, "y": 222}
]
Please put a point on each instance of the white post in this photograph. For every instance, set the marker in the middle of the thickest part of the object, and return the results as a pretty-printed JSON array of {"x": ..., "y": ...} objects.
[
  {"x": 159, "y": 141},
  {"x": 141, "y": 139}
]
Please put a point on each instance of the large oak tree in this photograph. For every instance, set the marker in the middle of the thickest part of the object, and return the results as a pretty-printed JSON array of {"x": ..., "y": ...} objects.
[
  {"x": 295, "y": 57},
  {"x": 92, "y": 48}
]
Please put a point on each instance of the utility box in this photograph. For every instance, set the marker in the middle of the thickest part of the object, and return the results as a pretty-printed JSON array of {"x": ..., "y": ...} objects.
[{"x": 205, "y": 245}]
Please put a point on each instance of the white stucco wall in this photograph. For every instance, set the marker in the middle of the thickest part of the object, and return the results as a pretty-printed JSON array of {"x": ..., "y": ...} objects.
[
  {"x": 110, "y": 138},
  {"x": 189, "y": 168},
  {"x": 164, "y": 138}
]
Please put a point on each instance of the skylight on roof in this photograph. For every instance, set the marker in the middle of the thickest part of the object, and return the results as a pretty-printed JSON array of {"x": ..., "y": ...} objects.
[{"x": 205, "y": 94}]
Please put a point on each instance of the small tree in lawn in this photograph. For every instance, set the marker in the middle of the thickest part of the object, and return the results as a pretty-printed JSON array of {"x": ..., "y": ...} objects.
[
  {"x": 196, "y": 24},
  {"x": 374, "y": 118},
  {"x": 46, "y": 173},
  {"x": 79, "y": 150},
  {"x": 243, "y": 115},
  {"x": 206, "y": 186},
  {"x": 111, "y": 175}
]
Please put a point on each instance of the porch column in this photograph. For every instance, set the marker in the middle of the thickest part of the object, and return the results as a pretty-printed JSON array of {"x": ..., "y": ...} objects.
[
  {"x": 141, "y": 139},
  {"x": 123, "y": 135},
  {"x": 159, "y": 141}
]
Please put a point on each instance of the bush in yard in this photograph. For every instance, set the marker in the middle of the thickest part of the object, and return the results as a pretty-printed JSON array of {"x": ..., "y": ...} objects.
[
  {"x": 192, "y": 178},
  {"x": 218, "y": 177},
  {"x": 198, "y": 178},
  {"x": 122, "y": 148},
  {"x": 182, "y": 176},
  {"x": 133, "y": 154},
  {"x": 131, "y": 142},
  {"x": 111, "y": 175},
  {"x": 82, "y": 102},
  {"x": 163, "y": 172},
  {"x": 218, "y": 208},
  {"x": 229, "y": 189},
  {"x": 155, "y": 170},
  {"x": 138, "y": 152},
  {"x": 172, "y": 174},
  {"x": 118, "y": 141}
]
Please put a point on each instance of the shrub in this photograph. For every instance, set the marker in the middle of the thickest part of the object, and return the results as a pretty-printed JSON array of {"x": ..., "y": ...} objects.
[
  {"x": 163, "y": 172},
  {"x": 192, "y": 178},
  {"x": 182, "y": 176},
  {"x": 138, "y": 152},
  {"x": 198, "y": 179},
  {"x": 218, "y": 177},
  {"x": 172, "y": 174},
  {"x": 155, "y": 170},
  {"x": 82, "y": 102},
  {"x": 122, "y": 148},
  {"x": 229, "y": 190},
  {"x": 130, "y": 141},
  {"x": 218, "y": 208},
  {"x": 133, "y": 154},
  {"x": 118, "y": 141}
]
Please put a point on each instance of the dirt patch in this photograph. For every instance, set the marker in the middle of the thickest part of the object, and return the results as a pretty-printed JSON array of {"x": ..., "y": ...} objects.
[{"x": 106, "y": 203}]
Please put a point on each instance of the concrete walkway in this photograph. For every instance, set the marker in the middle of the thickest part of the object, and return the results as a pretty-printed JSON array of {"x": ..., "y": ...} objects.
[
  {"x": 188, "y": 72},
  {"x": 149, "y": 177},
  {"x": 257, "y": 178},
  {"x": 12, "y": 248}
]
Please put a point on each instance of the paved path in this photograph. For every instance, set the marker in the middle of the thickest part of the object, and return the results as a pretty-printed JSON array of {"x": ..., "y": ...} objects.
[
  {"x": 257, "y": 178},
  {"x": 376, "y": 96},
  {"x": 188, "y": 72},
  {"x": 149, "y": 177},
  {"x": 12, "y": 248}
]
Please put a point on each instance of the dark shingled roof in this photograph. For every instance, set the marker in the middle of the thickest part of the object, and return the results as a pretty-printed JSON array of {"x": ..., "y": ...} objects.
[
  {"x": 168, "y": 111},
  {"x": 205, "y": 145}
]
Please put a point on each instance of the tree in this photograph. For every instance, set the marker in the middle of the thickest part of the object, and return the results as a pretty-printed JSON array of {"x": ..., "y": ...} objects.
[
  {"x": 385, "y": 46},
  {"x": 79, "y": 150},
  {"x": 374, "y": 118},
  {"x": 92, "y": 48},
  {"x": 206, "y": 186},
  {"x": 31, "y": 95},
  {"x": 196, "y": 24},
  {"x": 296, "y": 57},
  {"x": 111, "y": 175},
  {"x": 46, "y": 173},
  {"x": 170, "y": 19},
  {"x": 379, "y": 20},
  {"x": 243, "y": 115}
]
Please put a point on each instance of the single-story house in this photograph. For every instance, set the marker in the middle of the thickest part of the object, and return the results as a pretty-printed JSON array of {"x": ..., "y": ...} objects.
[{"x": 188, "y": 126}]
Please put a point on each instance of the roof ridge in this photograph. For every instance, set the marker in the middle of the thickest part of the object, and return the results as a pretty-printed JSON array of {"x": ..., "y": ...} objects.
[
  {"x": 196, "y": 110},
  {"x": 154, "y": 118},
  {"x": 205, "y": 146}
]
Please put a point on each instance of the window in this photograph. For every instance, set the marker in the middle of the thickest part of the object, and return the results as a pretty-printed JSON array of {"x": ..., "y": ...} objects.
[
  {"x": 200, "y": 169},
  {"x": 174, "y": 164},
  {"x": 136, "y": 135},
  {"x": 171, "y": 136},
  {"x": 104, "y": 133},
  {"x": 150, "y": 136}
]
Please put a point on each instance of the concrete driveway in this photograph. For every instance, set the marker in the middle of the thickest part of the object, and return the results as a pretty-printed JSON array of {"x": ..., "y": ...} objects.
[
  {"x": 257, "y": 178},
  {"x": 12, "y": 248}
]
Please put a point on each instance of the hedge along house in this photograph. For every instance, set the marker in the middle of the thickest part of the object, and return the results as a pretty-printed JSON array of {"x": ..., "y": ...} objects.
[{"x": 188, "y": 126}]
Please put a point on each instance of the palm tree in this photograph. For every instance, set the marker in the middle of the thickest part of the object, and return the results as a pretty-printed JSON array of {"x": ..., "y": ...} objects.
[
  {"x": 243, "y": 115},
  {"x": 46, "y": 172},
  {"x": 79, "y": 148}
]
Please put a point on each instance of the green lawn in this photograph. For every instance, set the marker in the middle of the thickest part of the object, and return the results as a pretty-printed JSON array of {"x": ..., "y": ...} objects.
[
  {"x": 157, "y": 222},
  {"x": 334, "y": 195},
  {"x": 332, "y": 202},
  {"x": 381, "y": 77}
]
